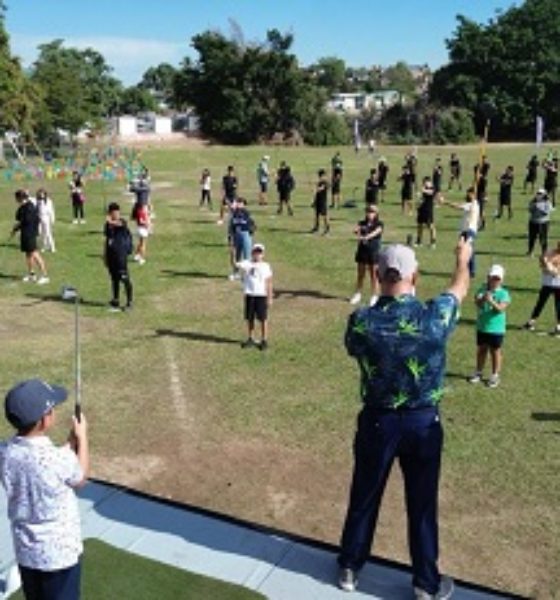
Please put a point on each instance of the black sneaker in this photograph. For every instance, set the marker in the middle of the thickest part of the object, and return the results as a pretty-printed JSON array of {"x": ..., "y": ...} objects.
[
  {"x": 314, "y": 230},
  {"x": 263, "y": 345},
  {"x": 327, "y": 229},
  {"x": 248, "y": 343},
  {"x": 347, "y": 580},
  {"x": 530, "y": 325}
]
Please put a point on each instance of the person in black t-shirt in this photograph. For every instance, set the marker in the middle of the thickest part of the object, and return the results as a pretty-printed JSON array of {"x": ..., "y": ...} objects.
[
  {"x": 320, "y": 202},
  {"x": 369, "y": 232},
  {"x": 454, "y": 171},
  {"x": 504, "y": 199},
  {"x": 481, "y": 171},
  {"x": 27, "y": 223},
  {"x": 372, "y": 187},
  {"x": 550, "y": 166},
  {"x": 531, "y": 175},
  {"x": 382, "y": 175},
  {"x": 425, "y": 213},
  {"x": 407, "y": 190},
  {"x": 118, "y": 246},
  {"x": 437, "y": 176},
  {"x": 229, "y": 191},
  {"x": 285, "y": 183}
]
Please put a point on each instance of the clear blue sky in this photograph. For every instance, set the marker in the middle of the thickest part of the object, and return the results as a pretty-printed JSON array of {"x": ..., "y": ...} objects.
[{"x": 134, "y": 35}]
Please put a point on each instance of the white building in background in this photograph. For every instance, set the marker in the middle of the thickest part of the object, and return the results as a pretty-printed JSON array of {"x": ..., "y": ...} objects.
[
  {"x": 355, "y": 102},
  {"x": 126, "y": 126}
]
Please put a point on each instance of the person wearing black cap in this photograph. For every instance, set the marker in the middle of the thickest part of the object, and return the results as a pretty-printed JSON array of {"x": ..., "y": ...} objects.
[
  {"x": 118, "y": 246},
  {"x": 39, "y": 479},
  {"x": 400, "y": 347}
]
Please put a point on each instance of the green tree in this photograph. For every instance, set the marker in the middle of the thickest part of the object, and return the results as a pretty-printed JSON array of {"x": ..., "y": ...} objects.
[
  {"x": 77, "y": 86},
  {"x": 330, "y": 73},
  {"x": 244, "y": 93},
  {"x": 511, "y": 64},
  {"x": 136, "y": 99},
  {"x": 21, "y": 101},
  {"x": 160, "y": 81},
  {"x": 399, "y": 77}
]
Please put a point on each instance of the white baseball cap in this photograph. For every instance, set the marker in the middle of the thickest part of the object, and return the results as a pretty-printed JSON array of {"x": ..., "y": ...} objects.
[
  {"x": 497, "y": 271},
  {"x": 257, "y": 248}
]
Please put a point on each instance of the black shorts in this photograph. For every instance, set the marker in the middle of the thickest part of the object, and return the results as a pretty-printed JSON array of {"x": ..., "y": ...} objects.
[
  {"x": 284, "y": 196},
  {"x": 28, "y": 243},
  {"x": 492, "y": 340},
  {"x": 366, "y": 256},
  {"x": 256, "y": 307},
  {"x": 263, "y": 186},
  {"x": 425, "y": 216},
  {"x": 335, "y": 187},
  {"x": 321, "y": 208}
]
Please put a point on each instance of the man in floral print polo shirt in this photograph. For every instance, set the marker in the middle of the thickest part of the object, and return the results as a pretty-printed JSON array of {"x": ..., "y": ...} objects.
[
  {"x": 38, "y": 477},
  {"x": 400, "y": 346}
]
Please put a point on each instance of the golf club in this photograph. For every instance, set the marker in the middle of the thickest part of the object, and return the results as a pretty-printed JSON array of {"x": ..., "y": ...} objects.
[{"x": 71, "y": 293}]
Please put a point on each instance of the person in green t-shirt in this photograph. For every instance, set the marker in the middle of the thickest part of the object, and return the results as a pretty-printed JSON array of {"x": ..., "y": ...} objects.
[{"x": 492, "y": 300}]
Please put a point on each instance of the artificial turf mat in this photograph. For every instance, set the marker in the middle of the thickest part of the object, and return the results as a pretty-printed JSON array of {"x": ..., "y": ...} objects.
[{"x": 112, "y": 574}]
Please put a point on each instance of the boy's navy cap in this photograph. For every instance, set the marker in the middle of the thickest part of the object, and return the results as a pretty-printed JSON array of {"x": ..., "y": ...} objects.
[{"x": 28, "y": 401}]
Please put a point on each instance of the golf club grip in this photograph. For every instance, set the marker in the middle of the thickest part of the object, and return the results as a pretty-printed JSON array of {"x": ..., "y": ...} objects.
[{"x": 78, "y": 411}]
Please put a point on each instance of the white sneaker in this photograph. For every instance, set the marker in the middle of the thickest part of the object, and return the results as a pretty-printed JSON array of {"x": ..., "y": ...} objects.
[
  {"x": 356, "y": 298},
  {"x": 476, "y": 378},
  {"x": 347, "y": 580},
  {"x": 141, "y": 260},
  {"x": 373, "y": 300},
  {"x": 75, "y": 221},
  {"x": 219, "y": 222},
  {"x": 29, "y": 277},
  {"x": 493, "y": 381},
  {"x": 43, "y": 280},
  {"x": 136, "y": 258},
  {"x": 446, "y": 588},
  {"x": 233, "y": 276}
]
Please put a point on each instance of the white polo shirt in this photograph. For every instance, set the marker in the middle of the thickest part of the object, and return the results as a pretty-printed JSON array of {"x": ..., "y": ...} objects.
[{"x": 42, "y": 506}]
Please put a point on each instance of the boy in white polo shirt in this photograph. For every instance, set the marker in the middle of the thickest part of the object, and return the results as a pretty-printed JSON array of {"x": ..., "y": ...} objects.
[
  {"x": 38, "y": 478},
  {"x": 257, "y": 287}
]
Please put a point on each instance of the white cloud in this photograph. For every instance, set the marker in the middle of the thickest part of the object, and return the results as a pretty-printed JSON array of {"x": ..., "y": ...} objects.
[{"x": 129, "y": 57}]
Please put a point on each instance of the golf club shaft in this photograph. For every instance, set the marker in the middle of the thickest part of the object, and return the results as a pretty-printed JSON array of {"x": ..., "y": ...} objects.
[{"x": 77, "y": 362}]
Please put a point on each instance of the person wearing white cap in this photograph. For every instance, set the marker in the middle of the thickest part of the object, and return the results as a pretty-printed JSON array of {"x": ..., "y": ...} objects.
[
  {"x": 400, "y": 347},
  {"x": 256, "y": 276},
  {"x": 492, "y": 300}
]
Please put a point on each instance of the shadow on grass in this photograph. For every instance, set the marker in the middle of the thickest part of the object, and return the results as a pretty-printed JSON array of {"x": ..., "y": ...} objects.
[
  {"x": 279, "y": 293},
  {"x": 57, "y": 298},
  {"x": 499, "y": 253},
  {"x": 287, "y": 230},
  {"x": 195, "y": 336},
  {"x": 192, "y": 274},
  {"x": 544, "y": 416},
  {"x": 8, "y": 277},
  {"x": 453, "y": 375}
]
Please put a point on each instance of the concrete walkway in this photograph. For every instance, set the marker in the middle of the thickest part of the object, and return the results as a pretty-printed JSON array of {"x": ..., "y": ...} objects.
[{"x": 280, "y": 566}]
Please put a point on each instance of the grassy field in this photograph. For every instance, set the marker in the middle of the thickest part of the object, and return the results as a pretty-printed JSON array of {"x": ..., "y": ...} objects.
[{"x": 178, "y": 409}]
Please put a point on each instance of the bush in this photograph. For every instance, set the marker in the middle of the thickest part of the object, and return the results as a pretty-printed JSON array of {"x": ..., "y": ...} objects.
[
  {"x": 327, "y": 129},
  {"x": 454, "y": 126}
]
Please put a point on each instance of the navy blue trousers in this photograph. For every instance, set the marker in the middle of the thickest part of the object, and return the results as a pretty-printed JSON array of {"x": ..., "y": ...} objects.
[
  {"x": 51, "y": 585},
  {"x": 416, "y": 438}
]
